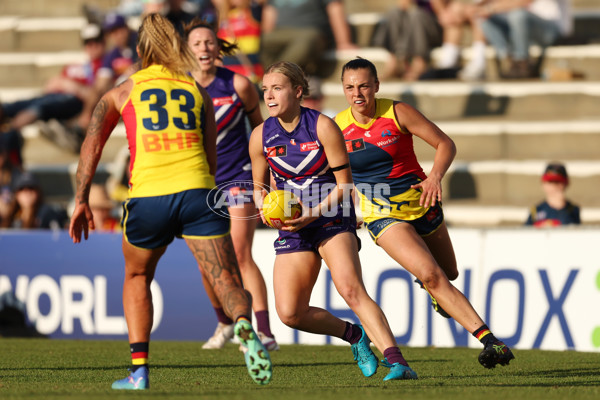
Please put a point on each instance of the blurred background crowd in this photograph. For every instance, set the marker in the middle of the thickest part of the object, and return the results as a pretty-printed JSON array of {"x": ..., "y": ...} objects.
[{"x": 524, "y": 71}]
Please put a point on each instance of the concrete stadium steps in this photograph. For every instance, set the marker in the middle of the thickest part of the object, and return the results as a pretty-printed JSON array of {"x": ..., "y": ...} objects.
[
  {"x": 475, "y": 194},
  {"x": 451, "y": 100},
  {"x": 360, "y": 6},
  {"x": 505, "y": 131},
  {"x": 581, "y": 59},
  {"x": 39, "y": 151},
  {"x": 73, "y": 7},
  {"x": 474, "y": 215},
  {"x": 515, "y": 183},
  {"x": 55, "y": 167},
  {"x": 487, "y": 180},
  {"x": 46, "y": 32},
  {"x": 494, "y": 139},
  {"x": 33, "y": 68},
  {"x": 52, "y": 8},
  {"x": 585, "y": 26},
  {"x": 40, "y": 34}
]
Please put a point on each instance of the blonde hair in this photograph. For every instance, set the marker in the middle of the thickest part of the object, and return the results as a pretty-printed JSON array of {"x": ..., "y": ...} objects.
[
  {"x": 159, "y": 43},
  {"x": 293, "y": 72}
]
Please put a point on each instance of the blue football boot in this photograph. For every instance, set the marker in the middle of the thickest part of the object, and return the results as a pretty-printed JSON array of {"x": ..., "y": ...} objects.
[
  {"x": 137, "y": 380},
  {"x": 398, "y": 371},
  {"x": 363, "y": 355}
]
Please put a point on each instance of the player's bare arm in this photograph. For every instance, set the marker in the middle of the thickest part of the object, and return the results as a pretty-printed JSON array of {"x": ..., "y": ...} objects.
[
  {"x": 413, "y": 122},
  {"x": 332, "y": 139},
  {"x": 249, "y": 97},
  {"x": 210, "y": 132},
  {"x": 104, "y": 119},
  {"x": 260, "y": 168}
]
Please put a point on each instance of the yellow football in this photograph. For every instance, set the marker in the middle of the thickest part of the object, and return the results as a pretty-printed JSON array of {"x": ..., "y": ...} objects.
[{"x": 280, "y": 206}]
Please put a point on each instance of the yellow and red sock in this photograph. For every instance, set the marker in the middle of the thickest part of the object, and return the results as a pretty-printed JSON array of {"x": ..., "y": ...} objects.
[
  {"x": 484, "y": 335},
  {"x": 139, "y": 354}
]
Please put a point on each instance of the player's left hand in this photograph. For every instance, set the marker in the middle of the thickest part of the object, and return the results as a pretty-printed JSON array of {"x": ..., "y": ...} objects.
[
  {"x": 294, "y": 225},
  {"x": 431, "y": 191},
  {"x": 82, "y": 220}
]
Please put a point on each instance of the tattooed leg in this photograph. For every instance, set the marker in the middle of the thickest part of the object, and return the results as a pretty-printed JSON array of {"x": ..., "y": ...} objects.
[{"x": 218, "y": 265}]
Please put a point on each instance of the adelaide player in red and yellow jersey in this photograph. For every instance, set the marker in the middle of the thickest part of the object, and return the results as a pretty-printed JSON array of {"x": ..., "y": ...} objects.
[
  {"x": 400, "y": 204},
  {"x": 171, "y": 131},
  {"x": 165, "y": 120}
]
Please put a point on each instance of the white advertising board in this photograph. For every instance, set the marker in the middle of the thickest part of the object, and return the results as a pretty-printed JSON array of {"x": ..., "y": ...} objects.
[{"x": 534, "y": 288}]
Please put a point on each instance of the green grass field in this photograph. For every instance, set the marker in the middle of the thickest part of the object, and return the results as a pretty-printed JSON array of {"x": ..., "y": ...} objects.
[{"x": 67, "y": 369}]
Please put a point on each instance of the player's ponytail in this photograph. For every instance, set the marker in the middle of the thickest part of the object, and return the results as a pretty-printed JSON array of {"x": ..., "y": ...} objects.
[{"x": 159, "y": 43}]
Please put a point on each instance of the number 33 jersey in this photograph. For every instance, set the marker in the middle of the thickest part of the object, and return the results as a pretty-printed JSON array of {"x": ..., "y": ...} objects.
[{"x": 164, "y": 119}]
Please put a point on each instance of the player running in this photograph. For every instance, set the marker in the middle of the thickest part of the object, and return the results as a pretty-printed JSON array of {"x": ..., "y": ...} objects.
[
  {"x": 305, "y": 152},
  {"x": 237, "y": 111},
  {"x": 171, "y": 131},
  {"x": 406, "y": 218}
]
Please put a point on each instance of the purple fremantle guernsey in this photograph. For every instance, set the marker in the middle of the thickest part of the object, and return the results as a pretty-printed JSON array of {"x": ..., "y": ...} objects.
[
  {"x": 233, "y": 160},
  {"x": 299, "y": 164}
]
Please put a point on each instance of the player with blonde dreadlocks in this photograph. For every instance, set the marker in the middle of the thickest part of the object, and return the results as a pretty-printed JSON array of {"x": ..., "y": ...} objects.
[{"x": 171, "y": 130}]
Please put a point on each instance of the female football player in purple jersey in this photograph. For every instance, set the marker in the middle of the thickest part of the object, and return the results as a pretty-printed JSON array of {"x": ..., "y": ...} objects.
[
  {"x": 236, "y": 104},
  {"x": 305, "y": 152}
]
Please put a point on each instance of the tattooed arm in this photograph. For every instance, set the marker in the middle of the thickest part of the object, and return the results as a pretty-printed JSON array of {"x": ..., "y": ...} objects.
[{"x": 104, "y": 119}]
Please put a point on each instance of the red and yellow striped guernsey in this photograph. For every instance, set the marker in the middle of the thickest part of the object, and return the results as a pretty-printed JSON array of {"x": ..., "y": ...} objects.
[{"x": 164, "y": 121}]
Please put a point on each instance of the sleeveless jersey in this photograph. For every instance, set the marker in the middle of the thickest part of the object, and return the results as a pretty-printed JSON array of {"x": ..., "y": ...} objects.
[
  {"x": 298, "y": 162},
  {"x": 164, "y": 121},
  {"x": 233, "y": 159},
  {"x": 543, "y": 215},
  {"x": 384, "y": 164}
]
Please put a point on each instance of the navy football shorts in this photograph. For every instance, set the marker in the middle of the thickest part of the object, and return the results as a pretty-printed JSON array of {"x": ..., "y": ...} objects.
[
  {"x": 153, "y": 222},
  {"x": 425, "y": 225}
]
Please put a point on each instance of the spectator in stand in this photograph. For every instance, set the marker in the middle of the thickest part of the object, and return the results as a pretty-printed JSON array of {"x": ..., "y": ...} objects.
[
  {"x": 65, "y": 97},
  {"x": 512, "y": 26},
  {"x": 409, "y": 32},
  {"x": 453, "y": 16},
  {"x": 7, "y": 174},
  {"x": 103, "y": 209},
  {"x": 120, "y": 61},
  {"x": 301, "y": 31},
  {"x": 28, "y": 209},
  {"x": 182, "y": 12},
  {"x": 239, "y": 25},
  {"x": 556, "y": 209},
  {"x": 11, "y": 143}
]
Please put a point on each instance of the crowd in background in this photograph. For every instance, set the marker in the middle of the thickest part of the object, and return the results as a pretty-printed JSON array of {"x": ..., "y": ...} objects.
[{"x": 267, "y": 31}]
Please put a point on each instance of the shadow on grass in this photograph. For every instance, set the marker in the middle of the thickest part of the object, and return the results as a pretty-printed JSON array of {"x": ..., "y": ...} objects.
[{"x": 567, "y": 377}]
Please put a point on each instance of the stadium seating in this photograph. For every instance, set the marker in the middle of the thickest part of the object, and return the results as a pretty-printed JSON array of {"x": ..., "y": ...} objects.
[{"x": 506, "y": 131}]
